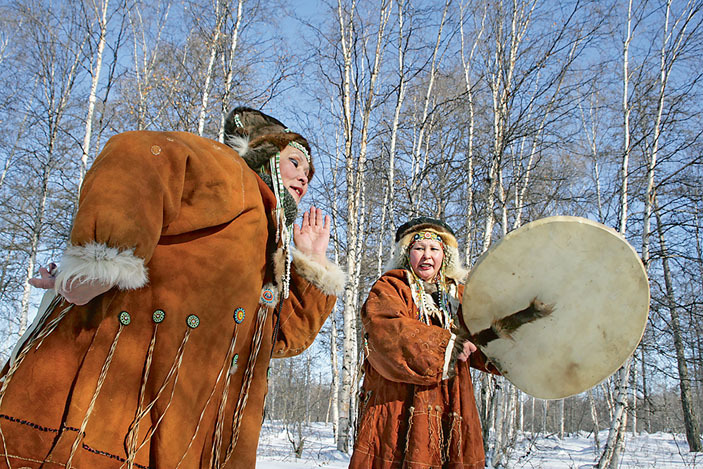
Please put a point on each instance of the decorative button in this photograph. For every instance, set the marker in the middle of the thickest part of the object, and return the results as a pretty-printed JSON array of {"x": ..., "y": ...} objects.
[
  {"x": 267, "y": 297},
  {"x": 239, "y": 315},
  {"x": 158, "y": 316},
  {"x": 125, "y": 318},
  {"x": 155, "y": 150},
  {"x": 193, "y": 321}
]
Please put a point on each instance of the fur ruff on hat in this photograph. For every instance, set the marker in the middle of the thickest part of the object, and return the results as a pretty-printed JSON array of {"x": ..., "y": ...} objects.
[
  {"x": 257, "y": 137},
  {"x": 454, "y": 268}
]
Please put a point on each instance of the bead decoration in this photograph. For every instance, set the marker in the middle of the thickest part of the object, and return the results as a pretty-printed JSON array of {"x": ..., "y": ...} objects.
[
  {"x": 125, "y": 318},
  {"x": 155, "y": 150},
  {"x": 300, "y": 148},
  {"x": 193, "y": 321},
  {"x": 235, "y": 359},
  {"x": 427, "y": 235},
  {"x": 239, "y": 315},
  {"x": 267, "y": 297},
  {"x": 158, "y": 316}
]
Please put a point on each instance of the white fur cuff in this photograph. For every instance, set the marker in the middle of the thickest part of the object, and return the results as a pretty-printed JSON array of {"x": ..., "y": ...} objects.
[
  {"x": 100, "y": 262},
  {"x": 328, "y": 277}
]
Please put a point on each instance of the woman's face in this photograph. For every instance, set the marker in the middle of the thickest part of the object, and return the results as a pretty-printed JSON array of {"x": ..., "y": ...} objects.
[
  {"x": 294, "y": 172},
  {"x": 426, "y": 256}
]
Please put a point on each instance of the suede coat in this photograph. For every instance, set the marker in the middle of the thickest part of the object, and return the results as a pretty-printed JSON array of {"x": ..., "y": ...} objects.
[
  {"x": 169, "y": 371},
  {"x": 409, "y": 417}
]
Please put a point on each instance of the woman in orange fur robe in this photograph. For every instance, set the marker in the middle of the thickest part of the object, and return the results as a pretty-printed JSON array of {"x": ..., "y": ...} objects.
[{"x": 182, "y": 286}]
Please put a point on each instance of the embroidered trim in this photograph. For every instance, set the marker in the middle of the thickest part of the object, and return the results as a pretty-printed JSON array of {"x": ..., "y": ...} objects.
[
  {"x": 301, "y": 148},
  {"x": 67, "y": 428}
]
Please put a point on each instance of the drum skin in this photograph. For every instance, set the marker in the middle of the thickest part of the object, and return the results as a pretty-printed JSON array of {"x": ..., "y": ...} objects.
[{"x": 599, "y": 291}]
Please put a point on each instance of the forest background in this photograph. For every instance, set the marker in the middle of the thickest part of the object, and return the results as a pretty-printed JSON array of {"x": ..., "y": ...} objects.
[{"x": 486, "y": 114}]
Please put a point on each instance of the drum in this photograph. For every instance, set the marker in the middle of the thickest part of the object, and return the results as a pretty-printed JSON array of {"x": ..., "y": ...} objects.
[{"x": 557, "y": 305}]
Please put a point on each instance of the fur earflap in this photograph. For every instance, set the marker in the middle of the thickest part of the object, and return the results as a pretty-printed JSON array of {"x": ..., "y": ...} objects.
[{"x": 95, "y": 261}]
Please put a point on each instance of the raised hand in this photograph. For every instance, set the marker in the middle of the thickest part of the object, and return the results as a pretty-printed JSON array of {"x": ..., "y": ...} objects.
[{"x": 313, "y": 237}]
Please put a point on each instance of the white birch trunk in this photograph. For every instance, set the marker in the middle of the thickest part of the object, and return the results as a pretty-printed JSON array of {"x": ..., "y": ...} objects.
[
  {"x": 690, "y": 418},
  {"x": 56, "y": 109},
  {"x": 349, "y": 360},
  {"x": 334, "y": 360},
  {"x": 545, "y": 411},
  {"x": 396, "y": 119},
  {"x": 562, "y": 418},
  {"x": 626, "y": 121},
  {"x": 610, "y": 452},
  {"x": 594, "y": 419},
  {"x": 212, "y": 55},
  {"x": 633, "y": 412},
  {"x": 92, "y": 97},
  {"x": 521, "y": 400},
  {"x": 615, "y": 439},
  {"x": 468, "y": 81},
  {"x": 229, "y": 70}
]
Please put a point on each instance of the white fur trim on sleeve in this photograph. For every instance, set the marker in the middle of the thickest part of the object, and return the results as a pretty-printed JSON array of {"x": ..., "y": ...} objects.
[
  {"x": 328, "y": 277},
  {"x": 100, "y": 262},
  {"x": 448, "y": 356}
]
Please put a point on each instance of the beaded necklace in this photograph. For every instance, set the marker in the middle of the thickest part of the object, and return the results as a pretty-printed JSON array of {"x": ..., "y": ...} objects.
[{"x": 282, "y": 230}]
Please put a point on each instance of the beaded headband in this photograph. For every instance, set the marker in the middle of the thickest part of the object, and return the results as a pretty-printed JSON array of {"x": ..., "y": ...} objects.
[
  {"x": 302, "y": 149},
  {"x": 296, "y": 145},
  {"x": 431, "y": 235}
]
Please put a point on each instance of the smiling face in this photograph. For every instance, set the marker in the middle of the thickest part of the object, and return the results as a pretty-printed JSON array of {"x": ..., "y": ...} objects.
[
  {"x": 426, "y": 256},
  {"x": 294, "y": 172}
]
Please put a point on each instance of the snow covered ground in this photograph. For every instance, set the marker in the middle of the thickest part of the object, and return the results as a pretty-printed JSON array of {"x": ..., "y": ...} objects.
[{"x": 658, "y": 450}]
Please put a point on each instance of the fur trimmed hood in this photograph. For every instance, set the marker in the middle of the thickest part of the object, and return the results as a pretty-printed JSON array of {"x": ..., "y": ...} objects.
[
  {"x": 257, "y": 137},
  {"x": 454, "y": 268}
]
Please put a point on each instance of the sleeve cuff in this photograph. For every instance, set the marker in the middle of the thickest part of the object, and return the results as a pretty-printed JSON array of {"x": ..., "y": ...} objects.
[
  {"x": 94, "y": 261},
  {"x": 448, "y": 356},
  {"x": 328, "y": 277}
]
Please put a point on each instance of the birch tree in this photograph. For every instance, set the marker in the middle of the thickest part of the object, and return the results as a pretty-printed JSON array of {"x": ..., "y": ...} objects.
[
  {"x": 101, "y": 16},
  {"x": 354, "y": 174},
  {"x": 228, "y": 65},
  {"x": 689, "y": 415},
  {"x": 213, "y": 44},
  {"x": 56, "y": 48}
]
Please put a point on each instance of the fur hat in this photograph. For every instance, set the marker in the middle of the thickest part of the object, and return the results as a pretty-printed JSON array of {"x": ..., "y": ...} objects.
[
  {"x": 454, "y": 268},
  {"x": 257, "y": 137}
]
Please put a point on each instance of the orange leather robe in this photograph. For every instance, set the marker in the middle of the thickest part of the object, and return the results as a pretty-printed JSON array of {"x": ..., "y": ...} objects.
[{"x": 162, "y": 372}]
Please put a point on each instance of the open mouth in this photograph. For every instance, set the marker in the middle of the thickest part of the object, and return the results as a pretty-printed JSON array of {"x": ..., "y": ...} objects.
[{"x": 297, "y": 191}]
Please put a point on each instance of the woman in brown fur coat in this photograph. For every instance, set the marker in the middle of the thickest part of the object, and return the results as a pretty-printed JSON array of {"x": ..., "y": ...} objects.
[
  {"x": 177, "y": 288},
  {"x": 417, "y": 407}
]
